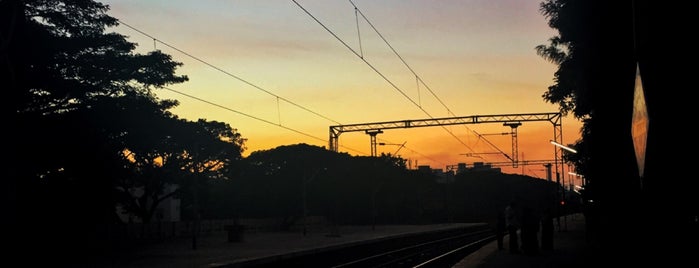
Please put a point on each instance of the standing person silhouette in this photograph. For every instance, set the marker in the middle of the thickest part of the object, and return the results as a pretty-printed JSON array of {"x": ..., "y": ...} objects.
[
  {"x": 530, "y": 231},
  {"x": 500, "y": 229},
  {"x": 512, "y": 222},
  {"x": 547, "y": 230}
]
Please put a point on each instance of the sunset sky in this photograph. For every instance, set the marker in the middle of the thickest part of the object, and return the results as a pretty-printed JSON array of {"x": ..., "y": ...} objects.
[{"x": 267, "y": 64}]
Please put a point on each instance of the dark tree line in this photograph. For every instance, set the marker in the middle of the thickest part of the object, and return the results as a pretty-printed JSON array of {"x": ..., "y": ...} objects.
[{"x": 292, "y": 181}]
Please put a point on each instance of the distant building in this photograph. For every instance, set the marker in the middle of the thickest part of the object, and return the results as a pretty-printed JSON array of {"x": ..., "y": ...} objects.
[
  {"x": 425, "y": 169},
  {"x": 461, "y": 167},
  {"x": 441, "y": 175},
  {"x": 458, "y": 168},
  {"x": 480, "y": 166},
  {"x": 477, "y": 167}
]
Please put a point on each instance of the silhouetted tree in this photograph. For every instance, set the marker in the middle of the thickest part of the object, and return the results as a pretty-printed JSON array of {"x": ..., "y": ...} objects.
[
  {"x": 74, "y": 100},
  {"x": 599, "y": 46},
  {"x": 165, "y": 155},
  {"x": 290, "y": 181},
  {"x": 211, "y": 151},
  {"x": 571, "y": 50},
  {"x": 279, "y": 181},
  {"x": 594, "y": 51}
]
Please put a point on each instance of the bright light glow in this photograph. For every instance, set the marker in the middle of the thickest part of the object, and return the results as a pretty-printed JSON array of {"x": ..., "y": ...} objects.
[
  {"x": 564, "y": 147},
  {"x": 575, "y": 174}
]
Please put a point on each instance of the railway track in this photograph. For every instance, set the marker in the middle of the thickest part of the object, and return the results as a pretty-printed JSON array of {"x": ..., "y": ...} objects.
[
  {"x": 442, "y": 252},
  {"x": 442, "y": 248}
]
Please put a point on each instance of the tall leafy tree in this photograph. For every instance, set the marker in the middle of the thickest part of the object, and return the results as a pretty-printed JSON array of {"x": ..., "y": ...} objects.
[
  {"x": 78, "y": 100},
  {"x": 594, "y": 51},
  {"x": 281, "y": 180},
  {"x": 211, "y": 151},
  {"x": 599, "y": 48},
  {"x": 163, "y": 154},
  {"x": 573, "y": 84}
]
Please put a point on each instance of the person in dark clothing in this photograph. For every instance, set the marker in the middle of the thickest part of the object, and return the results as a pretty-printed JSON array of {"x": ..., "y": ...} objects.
[
  {"x": 512, "y": 222},
  {"x": 547, "y": 230},
  {"x": 530, "y": 231},
  {"x": 500, "y": 230}
]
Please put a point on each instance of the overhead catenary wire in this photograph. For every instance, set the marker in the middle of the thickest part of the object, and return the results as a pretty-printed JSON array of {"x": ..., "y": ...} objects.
[
  {"x": 242, "y": 80},
  {"x": 228, "y": 73},
  {"x": 417, "y": 77},
  {"x": 360, "y": 56},
  {"x": 414, "y": 151},
  {"x": 254, "y": 117},
  {"x": 278, "y": 98},
  {"x": 359, "y": 34},
  {"x": 399, "y": 56}
]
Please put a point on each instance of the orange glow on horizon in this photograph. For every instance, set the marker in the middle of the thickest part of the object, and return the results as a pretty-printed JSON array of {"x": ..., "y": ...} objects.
[{"x": 435, "y": 147}]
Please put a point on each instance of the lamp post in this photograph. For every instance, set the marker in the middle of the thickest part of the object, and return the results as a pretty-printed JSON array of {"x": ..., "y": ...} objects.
[
  {"x": 372, "y": 135},
  {"x": 571, "y": 150}
]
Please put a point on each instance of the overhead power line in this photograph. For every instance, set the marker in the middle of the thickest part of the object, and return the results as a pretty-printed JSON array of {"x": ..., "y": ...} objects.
[
  {"x": 400, "y": 57},
  {"x": 413, "y": 150},
  {"x": 228, "y": 73},
  {"x": 253, "y": 117},
  {"x": 156, "y": 40},
  {"x": 417, "y": 77},
  {"x": 241, "y": 80},
  {"x": 360, "y": 56}
]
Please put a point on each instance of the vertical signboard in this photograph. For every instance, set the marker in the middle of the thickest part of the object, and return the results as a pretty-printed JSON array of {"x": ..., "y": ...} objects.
[{"x": 639, "y": 123}]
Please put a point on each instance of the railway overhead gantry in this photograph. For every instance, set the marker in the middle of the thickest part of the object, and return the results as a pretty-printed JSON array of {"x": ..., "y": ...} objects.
[{"x": 512, "y": 120}]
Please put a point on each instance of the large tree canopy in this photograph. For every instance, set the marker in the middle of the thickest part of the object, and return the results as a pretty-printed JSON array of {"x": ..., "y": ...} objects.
[
  {"x": 69, "y": 59},
  {"x": 87, "y": 129},
  {"x": 594, "y": 51}
]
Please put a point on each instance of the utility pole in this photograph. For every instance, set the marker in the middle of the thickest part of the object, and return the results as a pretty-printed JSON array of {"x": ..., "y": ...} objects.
[
  {"x": 548, "y": 171},
  {"x": 372, "y": 134},
  {"x": 513, "y": 132}
]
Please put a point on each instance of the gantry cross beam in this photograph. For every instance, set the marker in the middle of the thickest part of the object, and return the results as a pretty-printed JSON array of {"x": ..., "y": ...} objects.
[{"x": 507, "y": 119}]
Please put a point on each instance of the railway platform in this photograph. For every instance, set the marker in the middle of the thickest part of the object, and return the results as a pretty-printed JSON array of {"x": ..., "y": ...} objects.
[{"x": 572, "y": 248}]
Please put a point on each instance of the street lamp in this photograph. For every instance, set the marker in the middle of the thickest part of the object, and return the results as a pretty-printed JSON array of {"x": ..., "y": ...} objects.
[
  {"x": 564, "y": 147},
  {"x": 582, "y": 178}
]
